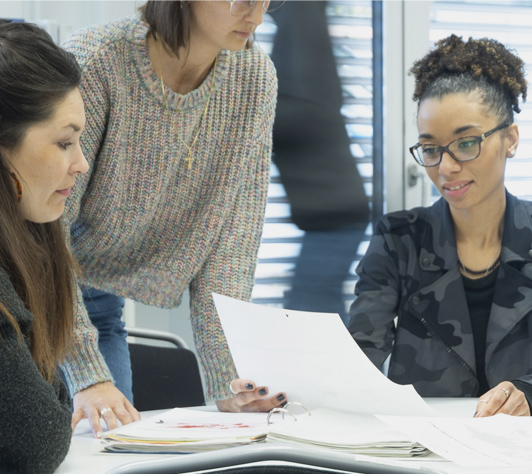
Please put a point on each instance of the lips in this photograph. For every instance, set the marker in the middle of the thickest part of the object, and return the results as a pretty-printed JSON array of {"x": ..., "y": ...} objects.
[
  {"x": 456, "y": 189},
  {"x": 66, "y": 191},
  {"x": 244, "y": 34}
]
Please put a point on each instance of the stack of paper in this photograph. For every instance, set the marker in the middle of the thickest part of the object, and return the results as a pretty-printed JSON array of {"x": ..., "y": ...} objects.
[
  {"x": 187, "y": 431},
  {"x": 356, "y": 434},
  {"x": 499, "y": 440}
]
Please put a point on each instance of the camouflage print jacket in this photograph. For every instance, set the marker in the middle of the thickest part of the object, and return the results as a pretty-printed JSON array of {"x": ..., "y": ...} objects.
[{"x": 411, "y": 271}]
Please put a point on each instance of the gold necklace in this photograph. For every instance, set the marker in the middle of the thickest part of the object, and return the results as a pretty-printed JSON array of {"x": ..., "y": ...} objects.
[{"x": 189, "y": 159}]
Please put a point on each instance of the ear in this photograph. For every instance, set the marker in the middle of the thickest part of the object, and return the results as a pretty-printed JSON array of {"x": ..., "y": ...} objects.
[{"x": 512, "y": 140}]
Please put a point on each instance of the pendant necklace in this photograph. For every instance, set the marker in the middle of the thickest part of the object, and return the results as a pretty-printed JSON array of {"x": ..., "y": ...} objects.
[{"x": 190, "y": 158}]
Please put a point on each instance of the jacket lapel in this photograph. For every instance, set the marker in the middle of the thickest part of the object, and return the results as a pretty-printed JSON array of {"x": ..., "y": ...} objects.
[
  {"x": 513, "y": 288},
  {"x": 443, "y": 300}
]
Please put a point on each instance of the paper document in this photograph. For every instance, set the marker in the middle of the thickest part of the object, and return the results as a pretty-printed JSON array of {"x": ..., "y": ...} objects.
[
  {"x": 312, "y": 358},
  {"x": 187, "y": 431},
  {"x": 499, "y": 440},
  {"x": 357, "y": 434}
]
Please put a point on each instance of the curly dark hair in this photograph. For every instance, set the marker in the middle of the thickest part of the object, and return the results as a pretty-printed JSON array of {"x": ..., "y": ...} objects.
[{"x": 484, "y": 66}]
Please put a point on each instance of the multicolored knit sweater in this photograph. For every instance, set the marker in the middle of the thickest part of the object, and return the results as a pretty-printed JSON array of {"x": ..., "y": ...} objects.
[{"x": 144, "y": 225}]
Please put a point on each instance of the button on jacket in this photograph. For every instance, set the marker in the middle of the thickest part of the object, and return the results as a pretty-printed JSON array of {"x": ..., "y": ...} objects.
[{"x": 411, "y": 272}]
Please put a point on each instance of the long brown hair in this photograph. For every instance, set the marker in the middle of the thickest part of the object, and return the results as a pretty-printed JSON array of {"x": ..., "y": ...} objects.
[{"x": 35, "y": 75}]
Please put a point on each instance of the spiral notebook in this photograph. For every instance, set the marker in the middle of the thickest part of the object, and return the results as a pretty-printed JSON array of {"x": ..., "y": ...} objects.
[{"x": 187, "y": 431}]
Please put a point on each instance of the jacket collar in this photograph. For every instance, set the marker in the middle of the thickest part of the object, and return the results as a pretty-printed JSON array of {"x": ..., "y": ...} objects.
[
  {"x": 516, "y": 241},
  {"x": 517, "y": 236},
  {"x": 515, "y": 270}
]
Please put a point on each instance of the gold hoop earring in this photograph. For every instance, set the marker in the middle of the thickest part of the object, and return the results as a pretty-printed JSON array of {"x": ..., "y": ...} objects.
[{"x": 17, "y": 184}]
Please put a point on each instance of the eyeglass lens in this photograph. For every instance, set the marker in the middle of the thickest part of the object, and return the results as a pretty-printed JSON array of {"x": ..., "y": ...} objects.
[
  {"x": 463, "y": 149},
  {"x": 239, "y": 7}
]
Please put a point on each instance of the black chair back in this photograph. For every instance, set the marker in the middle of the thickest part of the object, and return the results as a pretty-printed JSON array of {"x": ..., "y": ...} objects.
[{"x": 165, "y": 377}]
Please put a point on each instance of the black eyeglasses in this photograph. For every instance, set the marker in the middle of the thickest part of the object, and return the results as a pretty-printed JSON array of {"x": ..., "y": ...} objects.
[{"x": 461, "y": 149}]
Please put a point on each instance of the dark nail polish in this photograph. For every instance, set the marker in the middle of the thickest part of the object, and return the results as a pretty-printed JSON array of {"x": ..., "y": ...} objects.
[
  {"x": 284, "y": 404},
  {"x": 280, "y": 397},
  {"x": 249, "y": 386},
  {"x": 263, "y": 391}
]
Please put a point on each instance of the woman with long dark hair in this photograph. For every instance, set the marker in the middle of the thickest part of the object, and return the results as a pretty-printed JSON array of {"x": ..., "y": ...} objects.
[{"x": 41, "y": 118}]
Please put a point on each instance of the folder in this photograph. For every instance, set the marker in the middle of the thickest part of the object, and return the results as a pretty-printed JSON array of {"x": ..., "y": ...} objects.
[{"x": 180, "y": 431}]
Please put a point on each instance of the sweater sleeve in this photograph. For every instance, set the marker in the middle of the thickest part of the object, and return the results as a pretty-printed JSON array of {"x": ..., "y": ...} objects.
[
  {"x": 35, "y": 426},
  {"x": 86, "y": 366},
  {"x": 230, "y": 270}
]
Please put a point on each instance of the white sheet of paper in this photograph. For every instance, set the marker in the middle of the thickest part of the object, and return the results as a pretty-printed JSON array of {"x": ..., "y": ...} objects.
[
  {"x": 499, "y": 440},
  {"x": 180, "y": 424},
  {"x": 312, "y": 358}
]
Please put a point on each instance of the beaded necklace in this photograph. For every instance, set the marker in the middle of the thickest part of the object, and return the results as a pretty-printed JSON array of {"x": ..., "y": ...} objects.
[{"x": 493, "y": 263}]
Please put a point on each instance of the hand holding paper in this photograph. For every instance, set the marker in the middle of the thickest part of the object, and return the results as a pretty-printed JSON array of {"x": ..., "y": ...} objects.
[
  {"x": 247, "y": 397},
  {"x": 312, "y": 358}
]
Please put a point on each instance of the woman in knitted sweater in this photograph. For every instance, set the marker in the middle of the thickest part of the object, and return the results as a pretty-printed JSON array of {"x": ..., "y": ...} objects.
[
  {"x": 41, "y": 118},
  {"x": 178, "y": 139}
]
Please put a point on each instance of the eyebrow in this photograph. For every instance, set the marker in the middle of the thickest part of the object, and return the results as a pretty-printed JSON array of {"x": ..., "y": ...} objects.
[
  {"x": 457, "y": 131},
  {"x": 75, "y": 127}
]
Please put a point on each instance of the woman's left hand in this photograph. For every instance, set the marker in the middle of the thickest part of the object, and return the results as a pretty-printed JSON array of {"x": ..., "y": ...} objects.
[
  {"x": 504, "y": 398},
  {"x": 103, "y": 400},
  {"x": 248, "y": 397}
]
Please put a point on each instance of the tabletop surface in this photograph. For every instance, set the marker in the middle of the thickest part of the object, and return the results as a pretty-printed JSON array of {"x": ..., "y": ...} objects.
[{"x": 86, "y": 455}]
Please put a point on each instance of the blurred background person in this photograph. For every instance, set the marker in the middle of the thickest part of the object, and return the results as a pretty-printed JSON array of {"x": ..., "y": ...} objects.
[{"x": 311, "y": 150}]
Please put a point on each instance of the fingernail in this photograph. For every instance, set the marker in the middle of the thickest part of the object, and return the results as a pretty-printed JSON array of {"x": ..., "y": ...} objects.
[
  {"x": 475, "y": 414},
  {"x": 284, "y": 404},
  {"x": 249, "y": 386},
  {"x": 280, "y": 397},
  {"x": 263, "y": 391},
  {"x": 99, "y": 434}
]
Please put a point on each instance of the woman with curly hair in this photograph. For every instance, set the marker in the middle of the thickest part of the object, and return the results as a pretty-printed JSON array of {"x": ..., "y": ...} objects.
[{"x": 458, "y": 274}]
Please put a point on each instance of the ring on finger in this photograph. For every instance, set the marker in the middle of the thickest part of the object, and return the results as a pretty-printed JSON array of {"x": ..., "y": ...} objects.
[
  {"x": 506, "y": 391},
  {"x": 483, "y": 401},
  {"x": 231, "y": 389},
  {"x": 105, "y": 410}
]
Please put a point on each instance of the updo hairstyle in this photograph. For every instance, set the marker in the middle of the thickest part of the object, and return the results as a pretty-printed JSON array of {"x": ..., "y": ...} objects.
[{"x": 482, "y": 66}]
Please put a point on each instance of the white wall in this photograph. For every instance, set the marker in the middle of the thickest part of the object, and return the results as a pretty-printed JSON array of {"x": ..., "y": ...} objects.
[
  {"x": 67, "y": 16},
  {"x": 406, "y": 36}
]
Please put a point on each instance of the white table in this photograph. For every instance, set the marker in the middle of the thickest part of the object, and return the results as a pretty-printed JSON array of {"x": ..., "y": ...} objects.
[{"x": 86, "y": 456}]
